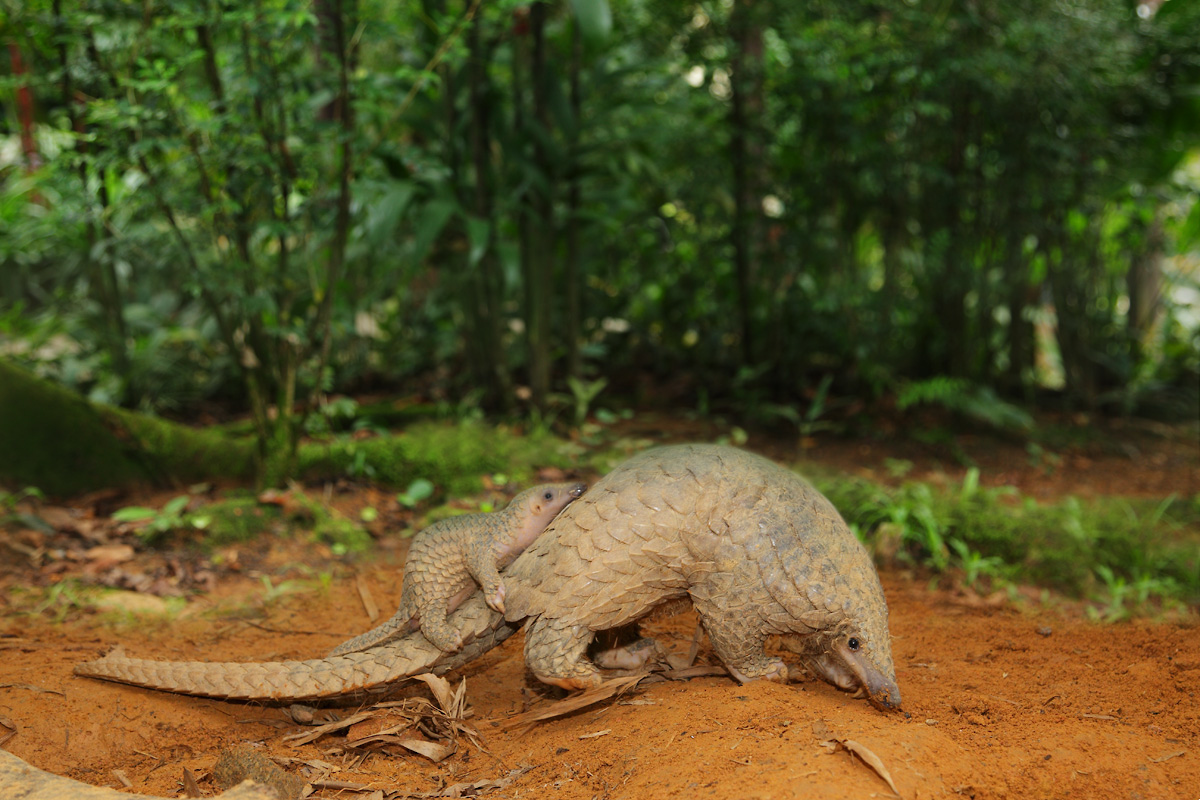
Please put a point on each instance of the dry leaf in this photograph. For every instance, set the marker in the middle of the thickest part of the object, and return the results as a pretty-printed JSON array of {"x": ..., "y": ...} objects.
[
  {"x": 131, "y": 602},
  {"x": 432, "y": 750},
  {"x": 474, "y": 788},
  {"x": 297, "y": 739},
  {"x": 871, "y": 760},
  {"x": 5, "y": 722},
  {"x": 821, "y": 730},
  {"x": 190, "y": 787},
  {"x": 1168, "y": 756},
  {"x": 597, "y": 734},
  {"x": 30, "y": 688},
  {"x": 110, "y": 553},
  {"x": 440, "y": 688},
  {"x": 575, "y": 702},
  {"x": 59, "y": 518},
  {"x": 376, "y": 726},
  {"x": 368, "y": 602},
  {"x": 702, "y": 671}
]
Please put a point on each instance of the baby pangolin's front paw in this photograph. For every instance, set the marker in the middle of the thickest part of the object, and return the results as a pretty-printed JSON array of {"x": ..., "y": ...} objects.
[{"x": 495, "y": 598}]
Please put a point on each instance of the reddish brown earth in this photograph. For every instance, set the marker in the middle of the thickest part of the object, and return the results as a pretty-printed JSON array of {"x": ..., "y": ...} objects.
[{"x": 1000, "y": 700}]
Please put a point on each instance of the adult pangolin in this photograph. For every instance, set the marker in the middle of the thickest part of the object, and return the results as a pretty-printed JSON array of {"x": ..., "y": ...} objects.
[{"x": 757, "y": 550}]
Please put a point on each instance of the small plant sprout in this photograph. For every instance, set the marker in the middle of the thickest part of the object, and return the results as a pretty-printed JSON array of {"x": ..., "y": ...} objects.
[
  {"x": 150, "y": 523},
  {"x": 584, "y": 393},
  {"x": 418, "y": 490},
  {"x": 974, "y": 564}
]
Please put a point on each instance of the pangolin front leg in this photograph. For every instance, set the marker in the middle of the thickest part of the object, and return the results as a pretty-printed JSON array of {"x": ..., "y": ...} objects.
[{"x": 740, "y": 642}]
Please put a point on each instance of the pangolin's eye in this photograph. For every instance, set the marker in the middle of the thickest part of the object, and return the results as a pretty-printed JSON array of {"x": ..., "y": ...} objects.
[
  {"x": 549, "y": 495},
  {"x": 853, "y": 643}
]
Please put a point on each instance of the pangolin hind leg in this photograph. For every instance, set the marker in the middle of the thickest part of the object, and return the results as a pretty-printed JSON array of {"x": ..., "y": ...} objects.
[
  {"x": 436, "y": 626},
  {"x": 556, "y": 653}
]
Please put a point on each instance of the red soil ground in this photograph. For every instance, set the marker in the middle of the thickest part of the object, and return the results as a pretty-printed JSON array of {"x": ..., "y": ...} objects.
[{"x": 1000, "y": 700}]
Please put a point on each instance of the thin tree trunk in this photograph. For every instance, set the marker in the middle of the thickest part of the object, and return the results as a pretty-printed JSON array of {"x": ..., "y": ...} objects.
[
  {"x": 104, "y": 283},
  {"x": 950, "y": 291},
  {"x": 540, "y": 252},
  {"x": 573, "y": 323},
  {"x": 24, "y": 109},
  {"x": 1143, "y": 283},
  {"x": 1021, "y": 296},
  {"x": 486, "y": 281},
  {"x": 745, "y": 152}
]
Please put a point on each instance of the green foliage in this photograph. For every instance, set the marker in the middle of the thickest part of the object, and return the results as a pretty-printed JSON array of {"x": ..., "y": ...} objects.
[
  {"x": 975, "y": 565},
  {"x": 261, "y": 204},
  {"x": 912, "y": 512},
  {"x": 418, "y": 490},
  {"x": 11, "y": 513},
  {"x": 237, "y": 519},
  {"x": 1137, "y": 550},
  {"x": 584, "y": 393},
  {"x": 452, "y": 457},
  {"x": 214, "y": 151},
  {"x": 274, "y": 592},
  {"x": 976, "y": 402},
  {"x": 343, "y": 535},
  {"x": 1122, "y": 596},
  {"x": 152, "y": 523}
]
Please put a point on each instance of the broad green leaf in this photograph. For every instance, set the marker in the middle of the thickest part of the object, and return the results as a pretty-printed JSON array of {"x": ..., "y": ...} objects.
[
  {"x": 175, "y": 506},
  {"x": 133, "y": 514},
  {"x": 430, "y": 221},
  {"x": 387, "y": 211}
]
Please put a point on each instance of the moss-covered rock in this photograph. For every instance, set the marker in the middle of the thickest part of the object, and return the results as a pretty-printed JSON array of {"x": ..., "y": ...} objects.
[
  {"x": 53, "y": 439},
  {"x": 186, "y": 455},
  {"x": 452, "y": 456}
]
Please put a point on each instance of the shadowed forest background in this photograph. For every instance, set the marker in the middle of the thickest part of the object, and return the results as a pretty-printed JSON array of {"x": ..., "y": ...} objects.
[{"x": 771, "y": 210}]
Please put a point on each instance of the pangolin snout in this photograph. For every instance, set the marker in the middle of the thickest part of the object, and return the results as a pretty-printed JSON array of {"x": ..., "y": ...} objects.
[{"x": 886, "y": 696}]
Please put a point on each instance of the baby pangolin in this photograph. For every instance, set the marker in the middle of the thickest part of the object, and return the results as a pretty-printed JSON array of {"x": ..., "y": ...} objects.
[{"x": 450, "y": 557}]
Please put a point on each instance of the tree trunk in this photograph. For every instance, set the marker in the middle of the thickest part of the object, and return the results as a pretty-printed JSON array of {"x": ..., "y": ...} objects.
[
  {"x": 24, "y": 97},
  {"x": 103, "y": 282},
  {"x": 539, "y": 256},
  {"x": 1021, "y": 297},
  {"x": 573, "y": 323},
  {"x": 1144, "y": 284},
  {"x": 745, "y": 155},
  {"x": 486, "y": 281}
]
